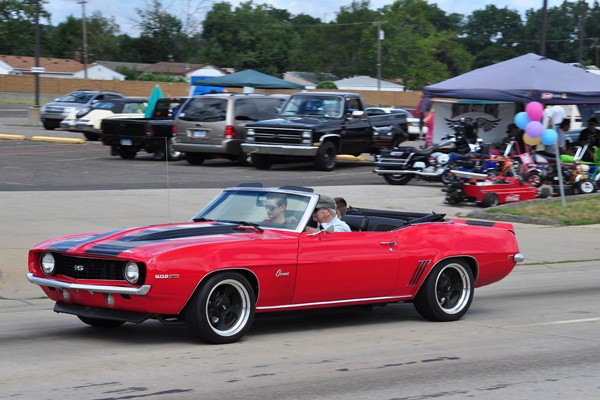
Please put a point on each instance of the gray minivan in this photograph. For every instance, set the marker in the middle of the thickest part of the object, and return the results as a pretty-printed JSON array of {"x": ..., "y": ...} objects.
[{"x": 213, "y": 125}]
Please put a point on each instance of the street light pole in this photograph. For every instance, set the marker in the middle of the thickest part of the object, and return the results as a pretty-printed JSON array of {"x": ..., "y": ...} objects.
[
  {"x": 85, "y": 45},
  {"x": 379, "y": 38},
  {"x": 37, "y": 53},
  {"x": 544, "y": 28}
]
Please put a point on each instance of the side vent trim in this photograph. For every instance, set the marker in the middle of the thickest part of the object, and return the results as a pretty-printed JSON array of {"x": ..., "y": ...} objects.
[{"x": 419, "y": 272}]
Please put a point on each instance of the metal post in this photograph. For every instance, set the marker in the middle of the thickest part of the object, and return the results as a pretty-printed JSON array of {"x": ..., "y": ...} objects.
[
  {"x": 379, "y": 32},
  {"x": 37, "y": 53},
  {"x": 85, "y": 45},
  {"x": 544, "y": 28}
]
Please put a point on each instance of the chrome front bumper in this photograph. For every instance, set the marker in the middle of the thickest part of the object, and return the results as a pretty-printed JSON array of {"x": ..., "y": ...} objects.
[
  {"x": 280, "y": 150},
  {"x": 133, "y": 291}
]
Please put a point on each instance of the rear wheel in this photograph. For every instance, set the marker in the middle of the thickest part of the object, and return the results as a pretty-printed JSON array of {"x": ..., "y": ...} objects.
[
  {"x": 326, "y": 157},
  {"x": 49, "y": 126},
  {"x": 91, "y": 136},
  {"x": 222, "y": 310},
  {"x": 489, "y": 200},
  {"x": 194, "y": 158},
  {"x": 100, "y": 322},
  {"x": 261, "y": 161},
  {"x": 172, "y": 154},
  {"x": 126, "y": 153},
  {"x": 399, "y": 179},
  {"x": 447, "y": 293},
  {"x": 586, "y": 187},
  {"x": 533, "y": 178}
]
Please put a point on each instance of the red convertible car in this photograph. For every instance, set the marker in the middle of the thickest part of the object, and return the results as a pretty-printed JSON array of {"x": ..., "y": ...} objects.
[{"x": 232, "y": 261}]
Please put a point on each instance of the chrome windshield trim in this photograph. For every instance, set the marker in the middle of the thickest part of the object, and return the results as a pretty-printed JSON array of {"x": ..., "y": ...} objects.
[{"x": 134, "y": 291}]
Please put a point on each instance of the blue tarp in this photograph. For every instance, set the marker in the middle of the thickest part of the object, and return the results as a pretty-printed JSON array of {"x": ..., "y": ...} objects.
[
  {"x": 249, "y": 78},
  {"x": 522, "y": 80}
]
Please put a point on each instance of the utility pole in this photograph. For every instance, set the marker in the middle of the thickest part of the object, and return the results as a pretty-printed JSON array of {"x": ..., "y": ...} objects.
[
  {"x": 85, "y": 45},
  {"x": 37, "y": 53},
  {"x": 597, "y": 46},
  {"x": 379, "y": 39},
  {"x": 544, "y": 28},
  {"x": 582, "y": 30}
]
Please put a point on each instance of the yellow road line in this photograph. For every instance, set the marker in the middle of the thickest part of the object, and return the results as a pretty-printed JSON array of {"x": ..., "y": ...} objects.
[{"x": 57, "y": 139}]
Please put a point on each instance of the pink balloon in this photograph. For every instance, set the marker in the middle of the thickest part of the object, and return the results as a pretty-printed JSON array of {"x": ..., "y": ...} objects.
[
  {"x": 534, "y": 129},
  {"x": 535, "y": 111}
]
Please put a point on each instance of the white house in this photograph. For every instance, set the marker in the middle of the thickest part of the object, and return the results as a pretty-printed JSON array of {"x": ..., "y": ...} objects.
[
  {"x": 367, "y": 83},
  {"x": 97, "y": 71}
]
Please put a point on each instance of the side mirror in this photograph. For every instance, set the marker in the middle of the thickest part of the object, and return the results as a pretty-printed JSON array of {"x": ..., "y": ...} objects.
[{"x": 357, "y": 113}]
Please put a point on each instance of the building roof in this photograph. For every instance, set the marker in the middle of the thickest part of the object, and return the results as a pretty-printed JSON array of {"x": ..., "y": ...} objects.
[
  {"x": 176, "y": 68},
  {"x": 308, "y": 78},
  {"x": 115, "y": 64},
  {"x": 365, "y": 81},
  {"x": 50, "y": 64}
]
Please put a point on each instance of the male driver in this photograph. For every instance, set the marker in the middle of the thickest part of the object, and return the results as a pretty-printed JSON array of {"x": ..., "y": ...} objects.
[
  {"x": 341, "y": 206},
  {"x": 325, "y": 214}
]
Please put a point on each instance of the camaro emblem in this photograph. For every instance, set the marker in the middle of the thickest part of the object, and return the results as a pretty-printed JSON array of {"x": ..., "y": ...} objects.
[
  {"x": 79, "y": 267},
  {"x": 281, "y": 273}
]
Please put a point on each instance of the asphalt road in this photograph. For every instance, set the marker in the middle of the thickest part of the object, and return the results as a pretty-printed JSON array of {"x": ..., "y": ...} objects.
[{"x": 532, "y": 336}]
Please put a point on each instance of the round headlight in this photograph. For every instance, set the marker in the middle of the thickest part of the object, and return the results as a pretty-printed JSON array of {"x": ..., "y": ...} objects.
[
  {"x": 132, "y": 272},
  {"x": 48, "y": 264}
]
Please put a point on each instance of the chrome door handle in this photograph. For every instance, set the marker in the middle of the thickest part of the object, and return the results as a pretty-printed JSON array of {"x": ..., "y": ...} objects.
[{"x": 388, "y": 243}]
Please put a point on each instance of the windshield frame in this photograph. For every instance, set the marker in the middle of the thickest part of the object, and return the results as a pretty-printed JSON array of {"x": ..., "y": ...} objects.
[{"x": 313, "y": 199}]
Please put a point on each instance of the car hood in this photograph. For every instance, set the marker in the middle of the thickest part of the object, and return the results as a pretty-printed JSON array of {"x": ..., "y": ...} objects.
[
  {"x": 149, "y": 241},
  {"x": 295, "y": 122}
]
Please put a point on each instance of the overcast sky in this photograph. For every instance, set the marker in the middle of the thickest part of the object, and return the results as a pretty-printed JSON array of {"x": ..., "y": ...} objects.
[{"x": 124, "y": 12}]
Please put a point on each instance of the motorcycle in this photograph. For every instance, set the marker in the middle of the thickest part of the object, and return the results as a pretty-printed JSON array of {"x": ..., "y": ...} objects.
[{"x": 399, "y": 165}]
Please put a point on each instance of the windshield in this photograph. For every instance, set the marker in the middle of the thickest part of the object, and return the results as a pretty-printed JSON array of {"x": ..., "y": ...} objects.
[
  {"x": 204, "y": 109},
  {"x": 267, "y": 209},
  {"x": 76, "y": 97},
  {"x": 321, "y": 105}
]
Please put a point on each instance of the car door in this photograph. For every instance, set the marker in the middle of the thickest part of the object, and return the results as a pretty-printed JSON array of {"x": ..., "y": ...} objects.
[
  {"x": 345, "y": 265},
  {"x": 357, "y": 135}
]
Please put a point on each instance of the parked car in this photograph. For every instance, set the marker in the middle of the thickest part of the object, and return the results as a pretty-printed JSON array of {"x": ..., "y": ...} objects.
[
  {"x": 88, "y": 119},
  {"x": 213, "y": 125},
  {"x": 317, "y": 126},
  {"x": 230, "y": 262},
  {"x": 51, "y": 114},
  {"x": 414, "y": 132},
  {"x": 127, "y": 137}
]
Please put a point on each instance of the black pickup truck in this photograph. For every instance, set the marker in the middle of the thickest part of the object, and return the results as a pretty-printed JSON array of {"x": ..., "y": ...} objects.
[
  {"x": 126, "y": 137},
  {"x": 318, "y": 126}
]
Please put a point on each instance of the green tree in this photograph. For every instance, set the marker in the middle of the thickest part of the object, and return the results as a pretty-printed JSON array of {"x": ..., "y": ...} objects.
[{"x": 17, "y": 27}]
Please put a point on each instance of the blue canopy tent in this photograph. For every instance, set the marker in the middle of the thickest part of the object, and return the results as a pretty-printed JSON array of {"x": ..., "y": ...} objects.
[
  {"x": 249, "y": 78},
  {"x": 522, "y": 80}
]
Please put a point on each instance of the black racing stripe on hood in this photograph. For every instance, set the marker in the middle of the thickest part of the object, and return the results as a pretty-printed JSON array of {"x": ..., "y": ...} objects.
[
  {"x": 148, "y": 238},
  {"x": 69, "y": 244}
]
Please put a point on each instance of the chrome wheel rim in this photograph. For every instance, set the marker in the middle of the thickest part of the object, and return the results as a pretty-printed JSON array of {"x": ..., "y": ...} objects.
[
  {"x": 453, "y": 288},
  {"x": 228, "y": 307}
]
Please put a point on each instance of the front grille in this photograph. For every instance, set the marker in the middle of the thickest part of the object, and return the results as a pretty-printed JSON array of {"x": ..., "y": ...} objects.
[
  {"x": 89, "y": 268},
  {"x": 54, "y": 110},
  {"x": 278, "y": 135}
]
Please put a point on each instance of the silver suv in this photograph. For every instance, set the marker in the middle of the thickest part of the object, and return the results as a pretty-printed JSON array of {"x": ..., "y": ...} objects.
[
  {"x": 213, "y": 125},
  {"x": 51, "y": 114}
]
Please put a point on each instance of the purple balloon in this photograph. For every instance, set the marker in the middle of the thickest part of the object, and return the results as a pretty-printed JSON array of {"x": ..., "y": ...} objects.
[
  {"x": 534, "y": 129},
  {"x": 535, "y": 111},
  {"x": 549, "y": 136}
]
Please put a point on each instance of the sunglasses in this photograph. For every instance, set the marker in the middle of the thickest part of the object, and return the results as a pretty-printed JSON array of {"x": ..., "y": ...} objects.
[{"x": 270, "y": 207}]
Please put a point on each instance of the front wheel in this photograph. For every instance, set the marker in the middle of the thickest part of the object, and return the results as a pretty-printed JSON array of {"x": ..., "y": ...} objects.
[
  {"x": 586, "y": 187},
  {"x": 260, "y": 161},
  {"x": 489, "y": 200},
  {"x": 194, "y": 158},
  {"x": 326, "y": 157},
  {"x": 447, "y": 177},
  {"x": 222, "y": 310},
  {"x": 100, "y": 322},
  {"x": 399, "y": 179},
  {"x": 447, "y": 293}
]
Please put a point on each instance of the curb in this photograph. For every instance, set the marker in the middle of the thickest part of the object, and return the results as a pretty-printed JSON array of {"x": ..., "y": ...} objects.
[
  {"x": 347, "y": 157},
  {"x": 57, "y": 139},
  {"x": 513, "y": 218},
  {"x": 12, "y": 137}
]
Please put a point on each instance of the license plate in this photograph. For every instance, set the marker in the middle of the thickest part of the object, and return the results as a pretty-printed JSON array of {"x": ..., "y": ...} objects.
[
  {"x": 197, "y": 133},
  {"x": 126, "y": 142}
]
